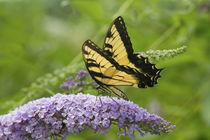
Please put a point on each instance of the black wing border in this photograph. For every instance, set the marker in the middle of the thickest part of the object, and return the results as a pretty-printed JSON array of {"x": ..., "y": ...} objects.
[{"x": 122, "y": 30}]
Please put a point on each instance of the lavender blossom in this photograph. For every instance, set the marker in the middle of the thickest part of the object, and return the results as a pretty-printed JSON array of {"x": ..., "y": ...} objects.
[
  {"x": 68, "y": 84},
  {"x": 73, "y": 83},
  {"x": 81, "y": 74},
  {"x": 61, "y": 115}
]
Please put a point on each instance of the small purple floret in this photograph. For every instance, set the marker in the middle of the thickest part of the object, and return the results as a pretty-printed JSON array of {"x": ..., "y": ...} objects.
[
  {"x": 62, "y": 115},
  {"x": 70, "y": 83},
  {"x": 81, "y": 74},
  {"x": 73, "y": 83}
]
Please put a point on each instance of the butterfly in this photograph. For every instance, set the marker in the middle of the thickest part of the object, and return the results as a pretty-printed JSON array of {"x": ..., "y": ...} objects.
[{"x": 116, "y": 64}]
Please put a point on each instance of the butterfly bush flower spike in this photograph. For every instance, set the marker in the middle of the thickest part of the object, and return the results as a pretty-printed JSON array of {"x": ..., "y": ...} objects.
[
  {"x": 157, "y": 55},
  {"x": 62, "y": 115}
]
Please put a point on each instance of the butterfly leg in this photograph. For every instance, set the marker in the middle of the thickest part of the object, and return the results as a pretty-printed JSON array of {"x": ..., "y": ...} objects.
[
  {"x": 114, "y": 90},
  {"x": 98, "y": 97},
  {"x": 108, "y": 90},
  {"x": 103, "y": 90},
  {"x": 119, "y": 93}
]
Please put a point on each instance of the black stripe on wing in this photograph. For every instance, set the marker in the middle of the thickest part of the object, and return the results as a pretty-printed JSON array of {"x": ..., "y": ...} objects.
[
  {"x": 95, "y": 67},
  {"x": 119, "y": 24}
]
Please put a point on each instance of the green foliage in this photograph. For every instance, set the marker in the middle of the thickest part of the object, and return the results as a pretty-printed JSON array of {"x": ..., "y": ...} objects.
[{"x": 43, "y": 39}]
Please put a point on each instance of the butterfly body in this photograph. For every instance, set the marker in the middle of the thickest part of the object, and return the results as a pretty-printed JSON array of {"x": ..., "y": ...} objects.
[{"x": 116, "y": 64}]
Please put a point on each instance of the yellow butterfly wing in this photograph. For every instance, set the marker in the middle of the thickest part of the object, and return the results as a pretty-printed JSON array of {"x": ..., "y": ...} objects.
[
  {"x": 104, "y": 69},
  {"x": 117, "y": 44}
]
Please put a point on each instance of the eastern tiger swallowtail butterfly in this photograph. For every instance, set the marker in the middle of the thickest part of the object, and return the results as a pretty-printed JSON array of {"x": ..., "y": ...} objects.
[{"x": 116, "y": 64}]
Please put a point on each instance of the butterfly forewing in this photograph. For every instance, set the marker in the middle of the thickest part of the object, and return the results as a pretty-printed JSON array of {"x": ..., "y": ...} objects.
[
  {"x": 103, "y": 69},
  {"x": 117, "y": 44}
]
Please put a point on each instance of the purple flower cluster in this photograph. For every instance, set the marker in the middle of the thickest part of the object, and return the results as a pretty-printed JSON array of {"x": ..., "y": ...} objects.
[
  {"x": 61, "y": 115},
  {"x": 71, "y": 83},
  {"x": 81, "y": 74}
]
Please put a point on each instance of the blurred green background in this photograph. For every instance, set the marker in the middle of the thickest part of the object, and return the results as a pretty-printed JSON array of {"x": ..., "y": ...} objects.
[{"x": 40, "y": 36}]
